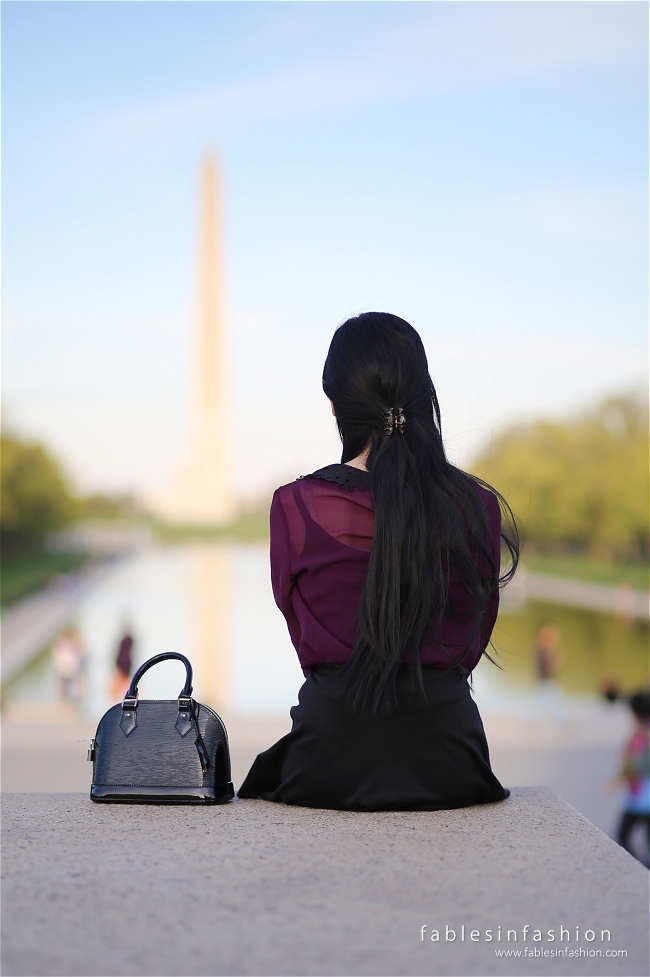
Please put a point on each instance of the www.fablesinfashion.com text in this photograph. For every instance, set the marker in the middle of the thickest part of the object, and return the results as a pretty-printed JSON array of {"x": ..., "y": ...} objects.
[
  {"x": 499, "y": 934},
  {"x": 544, "y": 951}
]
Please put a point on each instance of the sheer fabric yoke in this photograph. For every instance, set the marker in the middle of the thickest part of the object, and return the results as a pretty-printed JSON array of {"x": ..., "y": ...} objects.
[{"x": 348, "y": 517}]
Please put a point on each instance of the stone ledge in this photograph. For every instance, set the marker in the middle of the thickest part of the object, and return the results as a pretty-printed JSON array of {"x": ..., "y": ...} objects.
[{"x": 264, "y": 889}]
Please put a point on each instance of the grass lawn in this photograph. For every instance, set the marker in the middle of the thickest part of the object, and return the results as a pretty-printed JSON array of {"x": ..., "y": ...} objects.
[
  {"x": 582, "y": 568},
  {"x": 21, "y": 573}
]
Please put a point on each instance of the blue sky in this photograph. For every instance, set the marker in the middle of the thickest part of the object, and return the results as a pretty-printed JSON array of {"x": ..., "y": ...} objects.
[{"x": 477, "y": 168}]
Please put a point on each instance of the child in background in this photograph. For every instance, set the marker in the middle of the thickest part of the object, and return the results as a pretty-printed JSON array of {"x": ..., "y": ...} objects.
[{"x": 635, "y": 772}]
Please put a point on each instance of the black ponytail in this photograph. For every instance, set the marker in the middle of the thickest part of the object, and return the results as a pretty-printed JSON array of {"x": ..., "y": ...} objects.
[{"x": 429, "y": 518}]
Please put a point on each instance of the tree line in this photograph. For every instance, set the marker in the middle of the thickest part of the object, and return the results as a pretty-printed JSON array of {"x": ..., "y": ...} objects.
[
  {"x": 579, "y": 485},
  {"x": 37, "y": 497}
]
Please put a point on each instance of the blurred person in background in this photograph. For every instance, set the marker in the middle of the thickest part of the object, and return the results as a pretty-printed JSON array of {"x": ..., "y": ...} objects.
[
  {"x": 387, "y": 570},
  {"x": 123, "y": 664},
  {"x": 610, "y": 687},
  {"x": 549, "y": 710},
  {"x": 635, "y": 774},
  {"x": 548, "y": 657},
  {"x": 68, "y": 660}
]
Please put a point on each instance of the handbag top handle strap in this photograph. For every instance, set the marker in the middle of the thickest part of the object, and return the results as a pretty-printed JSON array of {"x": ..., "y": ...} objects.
[{"x": 186, "y": 691}]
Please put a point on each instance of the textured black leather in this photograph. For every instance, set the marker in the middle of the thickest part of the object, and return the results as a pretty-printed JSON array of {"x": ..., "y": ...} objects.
[
  {"x": 344, "y": 476},
  {"x": 169, "y": 755}
]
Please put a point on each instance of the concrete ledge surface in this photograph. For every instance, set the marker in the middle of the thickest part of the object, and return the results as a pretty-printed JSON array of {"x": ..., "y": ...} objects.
[{"x": 266, "y": 889}]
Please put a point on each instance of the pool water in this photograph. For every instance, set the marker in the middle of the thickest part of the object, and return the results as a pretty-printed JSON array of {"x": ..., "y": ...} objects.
[{"x": 213, "y": 603}]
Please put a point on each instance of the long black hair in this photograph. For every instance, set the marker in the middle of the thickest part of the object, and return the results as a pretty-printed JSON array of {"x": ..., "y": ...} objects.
[{"x": 430, "y": 519}]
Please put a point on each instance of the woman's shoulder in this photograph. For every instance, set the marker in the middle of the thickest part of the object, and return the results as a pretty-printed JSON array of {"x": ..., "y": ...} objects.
[
  {"x": 486, "y": 494},
  {"x": 337, "y": 498},
  {"x": 492, "y": 506}
]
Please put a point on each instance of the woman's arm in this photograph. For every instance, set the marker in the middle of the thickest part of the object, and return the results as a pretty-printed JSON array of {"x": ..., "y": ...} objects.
[{"x": 282, "y": 579}]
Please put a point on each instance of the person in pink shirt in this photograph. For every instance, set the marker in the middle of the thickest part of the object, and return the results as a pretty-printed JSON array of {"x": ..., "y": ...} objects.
[{"x": 387, "y": 570}]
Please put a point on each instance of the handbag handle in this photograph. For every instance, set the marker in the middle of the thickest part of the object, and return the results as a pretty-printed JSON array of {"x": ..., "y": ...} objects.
[
  {"x": 185, "y": 692},
  {"x": 186, "y": 718}
]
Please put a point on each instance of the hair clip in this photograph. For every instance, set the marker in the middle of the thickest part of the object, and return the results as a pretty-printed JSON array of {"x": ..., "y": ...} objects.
[{"x": 394, "y": 420}]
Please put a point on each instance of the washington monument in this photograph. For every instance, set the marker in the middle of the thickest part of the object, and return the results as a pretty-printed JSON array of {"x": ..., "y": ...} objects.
[{"x": 202, "y": 491}]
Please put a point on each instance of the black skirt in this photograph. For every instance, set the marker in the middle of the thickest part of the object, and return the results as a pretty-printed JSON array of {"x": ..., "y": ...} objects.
[{"x": 421, "y": 757}]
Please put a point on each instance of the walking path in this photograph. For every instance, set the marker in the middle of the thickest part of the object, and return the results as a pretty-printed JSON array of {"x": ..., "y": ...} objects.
[
  {"x": 623, "y": 599},
  {"x": 30, "y": 624},
  {"x": 265, "y": 889}
]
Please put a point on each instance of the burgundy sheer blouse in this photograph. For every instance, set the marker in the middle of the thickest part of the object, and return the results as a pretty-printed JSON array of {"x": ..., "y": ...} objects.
[{"x": 321, "y": 537}]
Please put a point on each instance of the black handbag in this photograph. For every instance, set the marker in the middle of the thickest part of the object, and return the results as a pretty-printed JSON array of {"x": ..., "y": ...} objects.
[{"x": 153, "y": 751}]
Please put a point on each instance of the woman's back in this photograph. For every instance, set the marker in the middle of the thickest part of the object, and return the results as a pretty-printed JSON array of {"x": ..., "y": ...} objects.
[{"x": 322, "y": 530}]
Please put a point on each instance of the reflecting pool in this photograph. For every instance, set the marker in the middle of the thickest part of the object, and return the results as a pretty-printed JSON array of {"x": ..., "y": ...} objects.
[{"x": 213, "y": 603}]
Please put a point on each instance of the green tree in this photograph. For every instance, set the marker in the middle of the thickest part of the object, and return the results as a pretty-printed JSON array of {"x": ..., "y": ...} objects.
[
  {"x": 579, "y": 485},
  {"x": 35, "y": 495}
]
